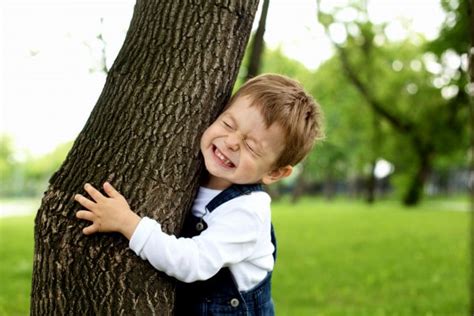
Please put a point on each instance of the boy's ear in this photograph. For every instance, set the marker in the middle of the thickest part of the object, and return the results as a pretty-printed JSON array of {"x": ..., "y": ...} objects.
[{"x": 277, "y": 174}]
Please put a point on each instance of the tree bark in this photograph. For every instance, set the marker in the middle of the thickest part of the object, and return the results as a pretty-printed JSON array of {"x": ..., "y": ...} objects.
[{"x": 171, "y": 78}]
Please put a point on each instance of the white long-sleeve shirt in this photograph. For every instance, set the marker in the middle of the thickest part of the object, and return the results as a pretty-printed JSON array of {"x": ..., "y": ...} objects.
[{"x": 238, "y": 237}]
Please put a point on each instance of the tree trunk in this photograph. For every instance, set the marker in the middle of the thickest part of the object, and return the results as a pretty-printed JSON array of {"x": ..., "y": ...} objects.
[
  {"x": 376, "y": 144},
  {"x": 171, "y": 78},
  {"x": 415, "y": 189},
  {"x": 371, "y": 183},
  {"x": 257, "y": 44}
]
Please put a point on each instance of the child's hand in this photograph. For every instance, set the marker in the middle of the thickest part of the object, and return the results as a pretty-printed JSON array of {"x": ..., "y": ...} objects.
[{"x": 107, "y": 214}]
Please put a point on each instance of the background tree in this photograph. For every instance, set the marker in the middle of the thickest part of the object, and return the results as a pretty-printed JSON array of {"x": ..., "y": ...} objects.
[
  {"x": 426, "y": 118},
  {"x": 345, "y": 155},
  {"x": 257, "y": 44},
  {"x": 169, "y": 81}
]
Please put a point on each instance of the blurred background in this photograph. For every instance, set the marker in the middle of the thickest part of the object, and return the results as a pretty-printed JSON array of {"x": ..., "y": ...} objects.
[{"x": 374, "y": 222}]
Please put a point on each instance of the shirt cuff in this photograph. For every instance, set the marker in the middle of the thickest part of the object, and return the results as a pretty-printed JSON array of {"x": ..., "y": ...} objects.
[{"x": 141, "y": 234}]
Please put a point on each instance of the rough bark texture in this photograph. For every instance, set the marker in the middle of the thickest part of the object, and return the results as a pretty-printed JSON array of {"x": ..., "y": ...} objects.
[{"x": 171, "y": 78}]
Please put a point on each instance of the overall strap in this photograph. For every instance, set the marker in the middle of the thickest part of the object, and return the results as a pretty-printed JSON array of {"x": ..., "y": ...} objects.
[
  {"x": 232, "y": 192},
  {"x": 236, "y": 190}
]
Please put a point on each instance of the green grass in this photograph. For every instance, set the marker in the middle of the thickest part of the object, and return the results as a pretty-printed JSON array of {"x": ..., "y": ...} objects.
[
  {"x": 16, "y": 264},
  {"x": 347, "y": 258},
  {"x": 334, "y": 258}
]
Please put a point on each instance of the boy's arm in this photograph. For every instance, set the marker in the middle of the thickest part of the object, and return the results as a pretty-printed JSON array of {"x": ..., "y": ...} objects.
[
  {"x": 107, "y": 214},
  {"x": 230, "y": 238}
]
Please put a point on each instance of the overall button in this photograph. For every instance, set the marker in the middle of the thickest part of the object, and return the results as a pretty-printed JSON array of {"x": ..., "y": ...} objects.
[
  {"x": 234, "y": 302},
  {"x": 199, "y": 226}
]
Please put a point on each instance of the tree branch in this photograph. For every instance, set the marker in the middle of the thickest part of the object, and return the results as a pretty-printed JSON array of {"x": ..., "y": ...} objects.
[{"x": 401, "y": 125}]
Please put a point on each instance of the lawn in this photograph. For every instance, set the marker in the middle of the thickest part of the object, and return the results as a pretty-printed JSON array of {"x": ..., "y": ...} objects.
[
  {"x": 16, "y": 263},
  {"x": 347, "y": 258},
  {"x": 334, "y": 258}
]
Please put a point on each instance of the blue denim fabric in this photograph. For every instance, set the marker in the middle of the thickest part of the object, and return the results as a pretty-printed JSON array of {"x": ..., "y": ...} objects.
[{"x": 220, "y": 295}]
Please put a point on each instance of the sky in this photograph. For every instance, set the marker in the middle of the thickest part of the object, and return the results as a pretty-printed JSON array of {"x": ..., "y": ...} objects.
[{"x": 49, "y": 55}]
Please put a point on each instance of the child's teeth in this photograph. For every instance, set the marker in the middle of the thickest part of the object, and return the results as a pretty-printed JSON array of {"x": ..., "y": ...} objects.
[{"x": 224, "y": 159}]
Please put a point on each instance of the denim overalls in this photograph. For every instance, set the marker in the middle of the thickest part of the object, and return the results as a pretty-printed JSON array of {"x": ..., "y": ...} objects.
[{"x": 219, "y": 295}]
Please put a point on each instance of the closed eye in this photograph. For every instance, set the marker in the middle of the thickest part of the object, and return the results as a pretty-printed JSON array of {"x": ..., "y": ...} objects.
[
  {"x": 226, "y": 124},
  {"x": 251, "y": 148}
]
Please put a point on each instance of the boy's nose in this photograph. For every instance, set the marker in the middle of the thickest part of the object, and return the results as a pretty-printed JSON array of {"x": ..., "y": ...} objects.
[{"x": 232, "y": 142}]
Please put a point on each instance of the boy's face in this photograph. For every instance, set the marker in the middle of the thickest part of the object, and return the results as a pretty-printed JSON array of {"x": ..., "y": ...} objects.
[{"x": 238, "y": 148}]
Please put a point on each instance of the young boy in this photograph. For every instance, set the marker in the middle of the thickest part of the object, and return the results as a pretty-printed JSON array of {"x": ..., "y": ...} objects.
[{"x": 226, "y": 254}]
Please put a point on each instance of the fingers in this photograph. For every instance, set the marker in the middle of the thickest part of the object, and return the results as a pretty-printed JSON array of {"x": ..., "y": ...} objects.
[
  {"x": 83, "y": 214},
  {"x": 94, "y": 228},
  {"x": 90, "y": 205},
  {"x": 110, "y": 190},
  {"x": 99, "y": 207},
  {"x": 84, "y": 201},
  {"x": 93, "y": 192},
  {"x": 91, "y": 229}
]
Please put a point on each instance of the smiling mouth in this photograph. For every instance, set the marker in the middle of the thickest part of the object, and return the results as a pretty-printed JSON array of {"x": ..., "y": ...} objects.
[{"x": 221, "y": 157}]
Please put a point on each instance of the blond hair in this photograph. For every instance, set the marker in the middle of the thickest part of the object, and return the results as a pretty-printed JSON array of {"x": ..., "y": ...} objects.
[{"x": 283, "y": 101}]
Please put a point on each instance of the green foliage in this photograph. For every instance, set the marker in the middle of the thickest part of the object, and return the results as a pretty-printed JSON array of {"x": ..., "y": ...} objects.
[
  {"x": 274, "y": 61},
  {"x": 338, "y": 258},
  {"x": 455, "y": 29},
  {"x": 7, "y": 159},
  {"x": 410, "y": 108},
  {"x": 44, "y": 166},
  {"x": 28, "y": 177},
  {"x": 347, "y": 121}
]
